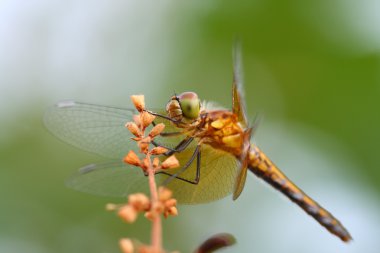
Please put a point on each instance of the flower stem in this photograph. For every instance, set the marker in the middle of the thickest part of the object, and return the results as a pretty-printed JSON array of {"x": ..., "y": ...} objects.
[{"x": 156, "y": 226}]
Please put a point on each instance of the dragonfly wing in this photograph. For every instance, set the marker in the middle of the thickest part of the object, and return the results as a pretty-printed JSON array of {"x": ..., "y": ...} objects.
[
  {"x": 117, "y": 179},
  {"x": 114, "y": 178},
  {"x": 217, "y": 176},
  {"x": 240, "y": 182},
  {"x": 95, "y": 128},
  {"x": 242, "y": 174},
  {"x": 238, "y": 103}
]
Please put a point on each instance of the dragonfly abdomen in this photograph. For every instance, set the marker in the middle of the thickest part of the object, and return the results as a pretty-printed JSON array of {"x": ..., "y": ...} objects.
[{"x": 262, "y": 167}]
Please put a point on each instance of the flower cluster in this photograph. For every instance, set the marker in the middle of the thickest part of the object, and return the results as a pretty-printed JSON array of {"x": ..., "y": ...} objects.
[
  {"x": 137, "y": 128},
  {"x": 160, "y": 201},
  {"x": 165, "y": 205},
  {"x": 139, "y": 202},
  {"x": 169, "y": 163}
]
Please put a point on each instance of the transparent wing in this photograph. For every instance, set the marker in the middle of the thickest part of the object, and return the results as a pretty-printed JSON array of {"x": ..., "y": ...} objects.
[
  {"x": 238, "y": 103},
  {"x": 94, "y": 128},
  {"x": 218, "y": 172},
  {"x": 115, "y": 179}
]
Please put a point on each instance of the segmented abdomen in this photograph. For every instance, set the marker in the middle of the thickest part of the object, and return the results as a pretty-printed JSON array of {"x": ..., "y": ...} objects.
[{"x": 262, "y": 167}]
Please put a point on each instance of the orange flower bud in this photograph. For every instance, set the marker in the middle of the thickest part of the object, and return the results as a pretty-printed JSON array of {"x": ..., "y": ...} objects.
[
  {"x": 133, "y": 128},
  {"x": 164, "y": 194},
  {"x": 139, "y": 201},
  {"x": 156, "y": 162},
  {"x": 150, "y": 215},
  {"x": 132, "y": 159},
  {"x": 170, "y": 203},
  {"x": 127, "y": 213},
  {"x": 126, "y": 245},
  {"x": 156, "y": 130},
  {"x": 138, "y": 101},
  {"x": 137, "y": 120},
  {"x": 158, "y": 207},
  {"x": 144, "y": 144},
  {"x": 144, "y": 148},
  {"x": 173, "y": 211},
  {"x": 170, "y": 163},
  {"x": 146, "y": 118},
  {"x": 145, "y": 164},
  {"x": 158, "y": 151}
]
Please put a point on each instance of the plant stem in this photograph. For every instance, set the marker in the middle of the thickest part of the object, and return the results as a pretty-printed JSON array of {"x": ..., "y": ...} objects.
[{"x": 156, "y": 226}]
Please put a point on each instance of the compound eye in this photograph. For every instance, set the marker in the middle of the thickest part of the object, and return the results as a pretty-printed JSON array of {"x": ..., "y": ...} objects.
[{"x": 190, "y": 105}]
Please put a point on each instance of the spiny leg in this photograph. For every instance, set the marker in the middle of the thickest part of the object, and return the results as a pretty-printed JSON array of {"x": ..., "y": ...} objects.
[
  {"x": 196, "y": 153},
  {"x": 168, "y": 134},
  {"x": 163, "y": 116},
  {"x": 179, "y": 148}
]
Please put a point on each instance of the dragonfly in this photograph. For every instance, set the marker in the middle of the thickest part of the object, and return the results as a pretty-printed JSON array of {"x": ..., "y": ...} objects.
[{"x": 213, "y": 145}]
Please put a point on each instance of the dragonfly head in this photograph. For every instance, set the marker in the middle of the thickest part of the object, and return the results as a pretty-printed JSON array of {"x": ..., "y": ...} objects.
[{"x": 185, "y": 106}]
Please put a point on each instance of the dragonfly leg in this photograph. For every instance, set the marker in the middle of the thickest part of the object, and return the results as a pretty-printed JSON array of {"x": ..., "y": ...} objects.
[
  {"x": 179, "y": 148},
  {"x": 168, "y": 134},
  {"x": 197, "y": 153},
  {"x": 163, "y": 116}
]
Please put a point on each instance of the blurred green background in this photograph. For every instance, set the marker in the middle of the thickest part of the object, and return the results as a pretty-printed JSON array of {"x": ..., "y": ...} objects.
[{"x": 311, "y": 71}]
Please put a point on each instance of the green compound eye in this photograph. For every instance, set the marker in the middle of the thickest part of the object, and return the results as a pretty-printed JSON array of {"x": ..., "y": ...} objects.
[
  {"x": 190, "y": 108},
  {"x": 190, "y": 105}
]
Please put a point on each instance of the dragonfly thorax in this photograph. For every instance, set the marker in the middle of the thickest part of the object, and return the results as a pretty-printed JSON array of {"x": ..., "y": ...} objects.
[{"x": 222, "y": 130}]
